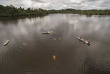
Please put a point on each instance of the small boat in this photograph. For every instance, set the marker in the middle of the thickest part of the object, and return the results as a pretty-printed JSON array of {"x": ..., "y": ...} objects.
[
  {"x": 83, "y": 40},
  {"x": 6, "y": 43},
  {"x": 49, "y": 32},
  {"x": 46, "y": 32}
]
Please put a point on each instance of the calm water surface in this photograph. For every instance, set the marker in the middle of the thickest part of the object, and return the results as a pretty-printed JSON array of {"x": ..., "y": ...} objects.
[{"x": 30, "y": 52}]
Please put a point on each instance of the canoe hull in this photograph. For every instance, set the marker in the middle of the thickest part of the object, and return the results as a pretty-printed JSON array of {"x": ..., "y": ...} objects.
[{"x": 6, "y": 43}]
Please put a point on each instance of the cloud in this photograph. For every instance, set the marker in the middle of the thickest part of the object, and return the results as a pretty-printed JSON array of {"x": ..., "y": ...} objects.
[{"x": 59, "y": 4}]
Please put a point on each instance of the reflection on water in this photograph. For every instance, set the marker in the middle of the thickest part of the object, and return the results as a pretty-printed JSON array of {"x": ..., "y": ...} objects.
[{"x": 31, "y": 52}]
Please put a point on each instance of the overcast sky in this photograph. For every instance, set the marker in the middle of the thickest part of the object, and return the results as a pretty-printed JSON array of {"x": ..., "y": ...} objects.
[{"x": 59, "y": 4}]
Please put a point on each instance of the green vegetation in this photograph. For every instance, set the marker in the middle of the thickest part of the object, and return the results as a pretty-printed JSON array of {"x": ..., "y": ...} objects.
[
  {"x": 87, "y": 12},
  {"x": 10, "y": 11}
]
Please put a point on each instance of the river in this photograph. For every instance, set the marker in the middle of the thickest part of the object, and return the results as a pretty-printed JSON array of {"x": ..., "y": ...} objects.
[{"x": 31, "y": 52}]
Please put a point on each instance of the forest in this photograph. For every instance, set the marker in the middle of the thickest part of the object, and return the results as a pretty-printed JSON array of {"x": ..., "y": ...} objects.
[
  {"x": 10, "y": 11},
  {"x": 87, "y": 12},
  {"x": 7, "y": 11}
]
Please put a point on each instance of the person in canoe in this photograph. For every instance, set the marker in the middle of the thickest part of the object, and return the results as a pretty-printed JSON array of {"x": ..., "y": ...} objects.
[{"x": 83, "y": 40}]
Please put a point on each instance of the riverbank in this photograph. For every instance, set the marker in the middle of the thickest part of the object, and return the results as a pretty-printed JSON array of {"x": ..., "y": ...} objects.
[
  {"x": 86, "y": 12},
  {"x": 11, "y": 11}
]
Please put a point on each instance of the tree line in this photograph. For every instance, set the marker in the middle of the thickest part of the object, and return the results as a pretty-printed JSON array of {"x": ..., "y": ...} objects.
[
  {"x": 10, "y": 11},
  {"x": 87, "y": 12},
  {"x": 13, "y": 11}
]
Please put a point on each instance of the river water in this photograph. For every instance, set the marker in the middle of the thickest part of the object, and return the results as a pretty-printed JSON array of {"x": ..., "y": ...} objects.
[{"x": 31, "y": 52}]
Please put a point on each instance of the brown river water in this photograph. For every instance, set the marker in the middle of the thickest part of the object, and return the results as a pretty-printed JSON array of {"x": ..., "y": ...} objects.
[{"x": 31, "y": 52}]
